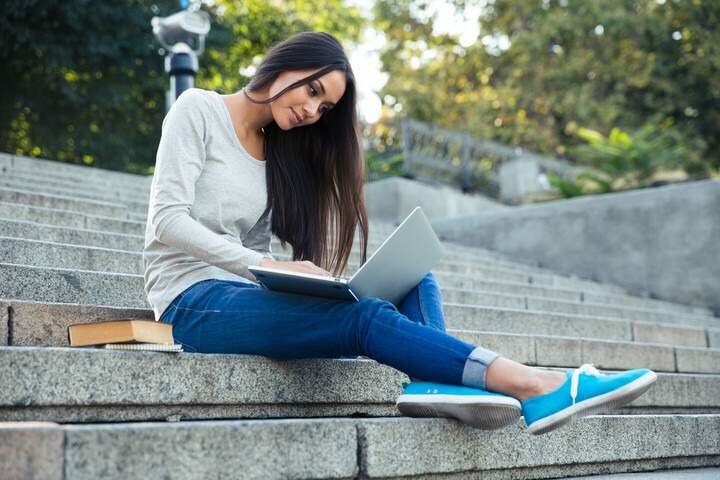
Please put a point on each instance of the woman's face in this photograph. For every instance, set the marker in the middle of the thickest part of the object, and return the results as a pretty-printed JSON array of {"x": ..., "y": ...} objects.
[{"x": 304, "y": 105}]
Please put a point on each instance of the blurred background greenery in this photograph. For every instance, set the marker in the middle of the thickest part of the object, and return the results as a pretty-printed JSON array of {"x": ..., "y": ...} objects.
[{"x": 628, "y": 87}]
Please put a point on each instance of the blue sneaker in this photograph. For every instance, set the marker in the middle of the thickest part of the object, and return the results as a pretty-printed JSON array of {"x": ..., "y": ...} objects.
[
  {"x": 585, "y": 391},
  {"x": 472, "y": 406}
]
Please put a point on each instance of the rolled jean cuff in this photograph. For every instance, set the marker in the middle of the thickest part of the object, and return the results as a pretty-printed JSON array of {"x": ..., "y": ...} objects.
[{"x": 476, "y": 365}]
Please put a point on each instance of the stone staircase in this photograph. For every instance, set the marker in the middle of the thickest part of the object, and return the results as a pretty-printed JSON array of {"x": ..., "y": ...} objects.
[{"x": 70, "y": 251}]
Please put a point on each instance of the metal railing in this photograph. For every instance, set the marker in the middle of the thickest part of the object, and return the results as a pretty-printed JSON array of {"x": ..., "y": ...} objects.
[{"x": 440, "y": 155}]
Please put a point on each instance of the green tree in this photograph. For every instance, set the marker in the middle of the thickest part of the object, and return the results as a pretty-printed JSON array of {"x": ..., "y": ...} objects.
[
  {"x": 83, "y": 81},
  {"x": 541, "y": 69},
  {"x": 623, "y": 160}
]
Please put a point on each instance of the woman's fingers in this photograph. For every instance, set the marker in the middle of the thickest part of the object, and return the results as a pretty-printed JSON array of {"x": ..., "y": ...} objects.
[
  {"x": 303, "y": 266},
  {"x": 314, "y": 269}
]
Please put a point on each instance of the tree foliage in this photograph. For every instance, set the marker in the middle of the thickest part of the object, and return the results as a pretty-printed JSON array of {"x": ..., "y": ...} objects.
[
  {"x": 543, "y": 69},
  {"x": 83, "y": 81}
]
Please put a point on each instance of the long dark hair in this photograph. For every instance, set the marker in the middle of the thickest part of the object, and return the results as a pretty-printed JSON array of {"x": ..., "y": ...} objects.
[{"x": 314, "y": 173}]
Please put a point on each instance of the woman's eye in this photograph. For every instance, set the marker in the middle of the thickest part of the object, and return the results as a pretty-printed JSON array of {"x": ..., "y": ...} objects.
[{"x": 313, "y": 92}]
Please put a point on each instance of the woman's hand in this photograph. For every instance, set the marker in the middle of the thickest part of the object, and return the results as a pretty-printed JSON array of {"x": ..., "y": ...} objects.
[{"x": 304, "y": 266}]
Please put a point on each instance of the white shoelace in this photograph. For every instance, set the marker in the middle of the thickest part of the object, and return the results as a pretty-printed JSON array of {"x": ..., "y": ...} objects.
[{"x": 586, "y": 368}]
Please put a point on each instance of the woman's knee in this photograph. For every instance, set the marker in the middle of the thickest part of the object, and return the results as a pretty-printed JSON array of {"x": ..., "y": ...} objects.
[{"x": 429, "y": 279}]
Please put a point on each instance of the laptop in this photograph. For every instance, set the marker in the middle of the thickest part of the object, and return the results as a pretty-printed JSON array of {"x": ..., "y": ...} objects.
[{"x": 397, "y": 266}]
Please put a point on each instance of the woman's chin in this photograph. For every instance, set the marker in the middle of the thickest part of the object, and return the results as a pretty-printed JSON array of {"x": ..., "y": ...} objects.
[{"x": 285, "y": 126}]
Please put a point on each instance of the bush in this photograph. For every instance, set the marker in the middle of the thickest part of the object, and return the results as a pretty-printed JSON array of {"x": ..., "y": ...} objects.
[{"x": 623, "y": 160}]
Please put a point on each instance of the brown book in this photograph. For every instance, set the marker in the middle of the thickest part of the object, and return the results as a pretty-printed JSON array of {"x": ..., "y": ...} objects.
[{"x": 119, "y": 331}]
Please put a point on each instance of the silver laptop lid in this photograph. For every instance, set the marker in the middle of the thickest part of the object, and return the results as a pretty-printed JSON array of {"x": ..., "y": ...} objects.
[{"x": 400, "y": 262}]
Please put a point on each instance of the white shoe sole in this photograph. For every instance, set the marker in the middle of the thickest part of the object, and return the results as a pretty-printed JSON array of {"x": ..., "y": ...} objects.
[
  {"x": 616, "y": 398},
  {"x": 486, "y": 413}
]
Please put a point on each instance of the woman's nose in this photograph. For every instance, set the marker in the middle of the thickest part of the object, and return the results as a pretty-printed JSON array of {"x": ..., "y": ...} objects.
[{"x": 311, "y": 108}]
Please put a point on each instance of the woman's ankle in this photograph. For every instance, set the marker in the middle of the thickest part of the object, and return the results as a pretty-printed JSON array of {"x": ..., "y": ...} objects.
[{"x": 543, "y": 382}]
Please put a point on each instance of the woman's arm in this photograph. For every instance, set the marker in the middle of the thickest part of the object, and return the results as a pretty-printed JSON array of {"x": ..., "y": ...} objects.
[
  {"x": 180, "y": 160},
  {"x": 259, "y": 237}
]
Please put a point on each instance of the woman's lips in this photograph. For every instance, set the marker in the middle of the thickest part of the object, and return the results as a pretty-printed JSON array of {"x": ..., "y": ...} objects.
[{"x": 297, "y": 117}]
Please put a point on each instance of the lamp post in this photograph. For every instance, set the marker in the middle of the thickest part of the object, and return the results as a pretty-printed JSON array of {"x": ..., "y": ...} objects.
[{"x": 183, "y": 36}]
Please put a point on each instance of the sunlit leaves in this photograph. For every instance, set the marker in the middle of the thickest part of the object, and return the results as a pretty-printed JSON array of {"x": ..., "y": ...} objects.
[
  {"x": 85, "y": 84},
  {"x": 600, "y": 65}
]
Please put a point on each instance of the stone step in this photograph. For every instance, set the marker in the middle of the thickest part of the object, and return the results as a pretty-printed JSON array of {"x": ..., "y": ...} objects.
[
  {"x": 73, "y": 385},
  {"x": 133, "y": 188},
  {"x": 452, "y": 251},
  {"x": 42, "y": 284},
  {"x": 16, "y": 240},
  {"x": 526, "y": 302},
  {"x": 44, "y": 322},
  {"x": 644, "y": 302},
  {"x": 49, "y": 285},
  {"x": 42, "y": 168},
  {"x": 594, "y": 444},
  {"x": 378, "y": 231},
  {"x": 32, "y": 230},
  {"x": 570, "y": 352},
  {"x": 579, "y": 295},
  {"x": 79, "y": 236},
  {"x": 542, "y": 278},
  {"x": 659, "y": 347},
  {"x": 135, "y": 203},
  {"x": 90, "y": 190},
  {"x": 540, "y": 282},
  {"x": 59, "y": 285},
  {"x": 71, "y": 220},
  {"x": 68, "y": 220},
  {"x": 31, "y": 167},
  {"x": 29, "y": 253},
  {"x": 460, "y": 289},
  {"x": 674, "y": 474},
  {"x": 473, "y": 289},
  {"x": 86, "y": 232},
  {"x": 467, "y": 266},
  {"x": 73, "y": 204},
  {"x": 334, "y": 448},
  {"x": 58, "y": 255},
  {"x": 62, "y": 255},
  {"x": 479, "y": 257},
  {"x": 674, "y": 425},
  {"x": 29, "y": 211}
]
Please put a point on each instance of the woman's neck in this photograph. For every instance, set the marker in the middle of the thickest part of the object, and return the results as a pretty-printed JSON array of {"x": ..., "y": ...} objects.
[{"x": 251, "y": 117}]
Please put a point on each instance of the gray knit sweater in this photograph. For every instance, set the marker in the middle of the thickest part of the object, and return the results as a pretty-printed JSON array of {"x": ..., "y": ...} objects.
[{"x": 206, "y": 200}]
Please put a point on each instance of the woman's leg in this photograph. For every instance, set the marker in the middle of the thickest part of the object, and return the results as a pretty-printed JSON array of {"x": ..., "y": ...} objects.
[
  {"x": 238, "y": 317},
  {"x": 217, "y": 316},
  {"x": 423, "y": 304}
]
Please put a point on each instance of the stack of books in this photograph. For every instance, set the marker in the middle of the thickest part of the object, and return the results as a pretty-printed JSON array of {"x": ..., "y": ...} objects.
[{"x": 129, "y": 334}]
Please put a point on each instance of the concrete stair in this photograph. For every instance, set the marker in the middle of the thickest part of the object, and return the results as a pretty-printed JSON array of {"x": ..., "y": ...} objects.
[
  {"x": 678, "y": 474},
  {"x": 368, "y": 448},
  {"x": 70, "y": 251},
  {"x": 74, "y": 385}
]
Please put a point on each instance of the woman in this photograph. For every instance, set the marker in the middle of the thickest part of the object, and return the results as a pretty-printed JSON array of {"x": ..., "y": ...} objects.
[{"x": 283, "y": 156}]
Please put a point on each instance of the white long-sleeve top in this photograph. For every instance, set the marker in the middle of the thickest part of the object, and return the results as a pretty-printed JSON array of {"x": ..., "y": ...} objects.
[{"x": 207, "y": 196}]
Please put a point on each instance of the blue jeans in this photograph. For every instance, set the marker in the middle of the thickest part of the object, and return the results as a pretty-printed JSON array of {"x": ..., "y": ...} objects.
[{"x": 224, "y": 316}]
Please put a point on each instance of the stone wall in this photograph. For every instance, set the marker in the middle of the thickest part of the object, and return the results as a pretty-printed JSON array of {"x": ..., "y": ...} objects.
[
  {"x": 663, "y": 242},
  {"x": 392, "y": 199}
]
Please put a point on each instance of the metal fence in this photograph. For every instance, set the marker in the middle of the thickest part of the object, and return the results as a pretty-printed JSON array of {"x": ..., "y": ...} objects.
[{"x": 439, "y": 155}]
